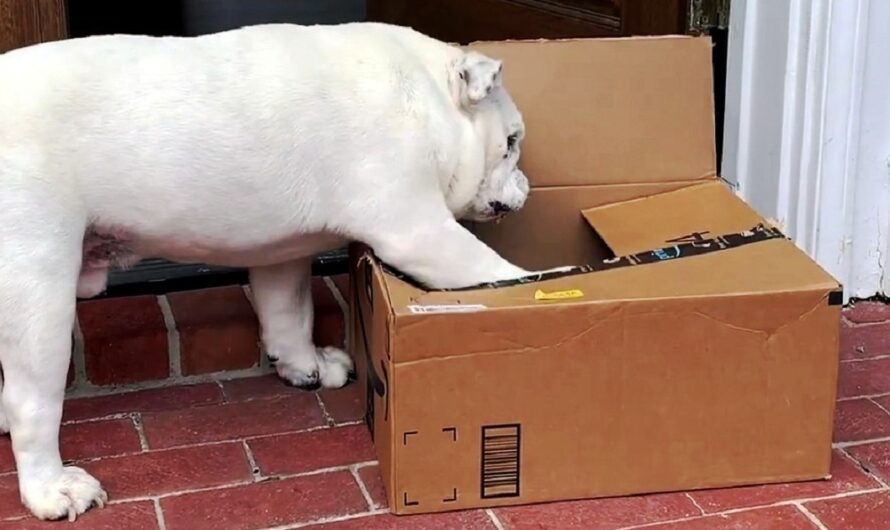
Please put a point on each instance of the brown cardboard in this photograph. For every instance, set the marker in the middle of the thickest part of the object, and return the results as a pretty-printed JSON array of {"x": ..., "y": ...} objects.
[
  {"x": 699, "y": 370},
  {"x": 612, "y": 111}
]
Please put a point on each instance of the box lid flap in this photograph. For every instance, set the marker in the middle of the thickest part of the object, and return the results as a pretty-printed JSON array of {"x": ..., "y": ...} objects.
[
  {"x": 701, "y": 211},
  {"x": 612, "y": 111}
]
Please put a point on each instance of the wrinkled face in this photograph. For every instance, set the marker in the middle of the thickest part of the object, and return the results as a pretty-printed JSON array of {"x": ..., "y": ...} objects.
[
  {"x": 503, "y": 188},
  {"x": 488, "y": 184}
]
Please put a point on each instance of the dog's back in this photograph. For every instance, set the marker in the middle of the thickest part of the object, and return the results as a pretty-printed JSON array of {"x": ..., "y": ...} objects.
[{"x": 218, "y": 114}]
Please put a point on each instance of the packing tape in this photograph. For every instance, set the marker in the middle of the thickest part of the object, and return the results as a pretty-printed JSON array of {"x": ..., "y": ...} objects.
[{"x": 558, "y": 295}]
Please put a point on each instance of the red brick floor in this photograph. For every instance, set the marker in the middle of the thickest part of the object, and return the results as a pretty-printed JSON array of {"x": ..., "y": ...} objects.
[{"x": 255, "y": 454}]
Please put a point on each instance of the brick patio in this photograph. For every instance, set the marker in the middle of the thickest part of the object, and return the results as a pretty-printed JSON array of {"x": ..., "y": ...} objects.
[{"x": 253, "y": 453}]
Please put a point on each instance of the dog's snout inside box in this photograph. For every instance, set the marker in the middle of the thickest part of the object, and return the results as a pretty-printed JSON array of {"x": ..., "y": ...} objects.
[{"x": 698, "y": 349}]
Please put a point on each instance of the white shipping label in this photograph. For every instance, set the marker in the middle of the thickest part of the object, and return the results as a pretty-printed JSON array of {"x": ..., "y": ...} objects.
[{"x": 453, "y": 308}]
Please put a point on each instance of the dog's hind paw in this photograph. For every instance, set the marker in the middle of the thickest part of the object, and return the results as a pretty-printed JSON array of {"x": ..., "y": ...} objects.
[
  {"x": 70, "y": 494},
  {"x": 4, "y": 421}
]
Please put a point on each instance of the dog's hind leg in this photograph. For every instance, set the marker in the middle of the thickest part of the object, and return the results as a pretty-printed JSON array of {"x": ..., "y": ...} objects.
[
  {"x": 40, "y": 254},
  {"x": 92, "y": 281},
  {"x": 282, "y": 296},
  {"x": 4, "y": 423}
]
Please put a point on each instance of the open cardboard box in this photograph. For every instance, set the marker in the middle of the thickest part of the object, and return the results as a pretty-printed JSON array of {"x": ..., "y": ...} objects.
[{"x": 706, "y": 356}]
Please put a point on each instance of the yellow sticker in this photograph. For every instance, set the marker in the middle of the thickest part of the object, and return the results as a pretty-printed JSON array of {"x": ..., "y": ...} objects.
[{"x": 558, "y": 295}]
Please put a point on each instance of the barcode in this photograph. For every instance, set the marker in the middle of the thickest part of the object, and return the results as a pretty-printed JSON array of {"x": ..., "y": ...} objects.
[
  {"x": 500, "y": 461},
  {"x": 452, "y": 308}
]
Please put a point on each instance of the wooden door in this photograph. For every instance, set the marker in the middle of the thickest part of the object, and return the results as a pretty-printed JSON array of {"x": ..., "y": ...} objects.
[
  {"x": 464, "y": 21},
  {"x": 27, "y": 22}
]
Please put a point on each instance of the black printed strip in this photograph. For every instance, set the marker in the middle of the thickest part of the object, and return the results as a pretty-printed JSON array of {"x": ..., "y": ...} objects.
[{"x": 374, "y": 383}]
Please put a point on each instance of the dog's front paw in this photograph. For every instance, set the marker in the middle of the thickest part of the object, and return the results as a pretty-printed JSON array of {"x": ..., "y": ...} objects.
[
  {"x": 70, "y": 494},
  {"x": 328, "y": 367}
]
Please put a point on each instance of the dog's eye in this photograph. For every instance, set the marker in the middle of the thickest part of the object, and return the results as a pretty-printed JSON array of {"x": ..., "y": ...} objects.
[{"x": 511, "y": 141}]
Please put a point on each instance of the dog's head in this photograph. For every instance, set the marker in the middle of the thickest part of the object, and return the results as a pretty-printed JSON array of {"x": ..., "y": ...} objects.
[{"x": 489, "y": 184}]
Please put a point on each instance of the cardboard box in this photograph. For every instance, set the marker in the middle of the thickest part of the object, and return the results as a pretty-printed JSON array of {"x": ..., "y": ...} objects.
[{"x": 699, "y": 349}]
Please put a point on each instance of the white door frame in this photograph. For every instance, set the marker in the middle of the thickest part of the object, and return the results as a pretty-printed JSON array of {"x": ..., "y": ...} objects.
[{"x": 807, "y": 128}]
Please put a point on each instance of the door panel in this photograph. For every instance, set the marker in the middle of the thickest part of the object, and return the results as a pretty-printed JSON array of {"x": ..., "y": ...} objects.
[
  {"x": 27, "y": 22},
  {"x": 466, "y": 21}
]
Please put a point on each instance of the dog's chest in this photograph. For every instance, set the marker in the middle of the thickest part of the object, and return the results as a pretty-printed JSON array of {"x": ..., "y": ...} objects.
[{"x": 255, "y": 254}]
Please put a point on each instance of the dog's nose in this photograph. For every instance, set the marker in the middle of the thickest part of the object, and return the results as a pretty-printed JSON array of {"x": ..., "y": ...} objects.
[{"x": 498, "y": 207}]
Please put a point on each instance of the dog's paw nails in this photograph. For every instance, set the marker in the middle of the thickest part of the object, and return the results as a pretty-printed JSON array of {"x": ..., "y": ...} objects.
[
  {"x": 70, "y": 494},
  {"x": 102, "y": 500},
  {"x": 299, "y": 379},
  {"x": 308, "y": 387},
  {"x": 332, "y": 368}
]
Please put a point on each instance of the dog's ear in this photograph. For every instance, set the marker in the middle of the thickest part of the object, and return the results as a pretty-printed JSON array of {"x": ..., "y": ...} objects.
[{"x": 474, "y": 77}]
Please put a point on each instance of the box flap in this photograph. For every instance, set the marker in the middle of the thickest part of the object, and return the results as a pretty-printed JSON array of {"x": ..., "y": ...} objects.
[
  {"x": 702, "y": 211},
  {"x": 612, "y": 111}
]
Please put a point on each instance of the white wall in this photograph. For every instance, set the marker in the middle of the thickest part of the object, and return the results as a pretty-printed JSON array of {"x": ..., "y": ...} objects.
[
  {"x": 871, "y": 216},
  {"x": 807, "y": 131}
]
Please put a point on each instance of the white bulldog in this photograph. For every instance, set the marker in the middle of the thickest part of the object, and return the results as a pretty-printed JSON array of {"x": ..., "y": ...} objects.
[{"x": 259, "y": 147}]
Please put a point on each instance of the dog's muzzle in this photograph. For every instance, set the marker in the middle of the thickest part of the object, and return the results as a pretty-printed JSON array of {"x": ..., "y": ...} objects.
[{"x": 499, "y": 208}]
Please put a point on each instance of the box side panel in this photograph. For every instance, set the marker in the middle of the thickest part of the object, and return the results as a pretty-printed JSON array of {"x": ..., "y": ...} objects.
[
  {"x": 648, "y": 396},
  {"x": 612, "y": 111},
  {"x": 369, "y": 340}
]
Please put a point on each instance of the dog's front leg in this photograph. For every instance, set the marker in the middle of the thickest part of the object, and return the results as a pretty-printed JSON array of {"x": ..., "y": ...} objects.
[
  {"x": 441, "y": 254},
  {"x": 37, "y": 307},
  {"x": 282, "y": 296}
]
